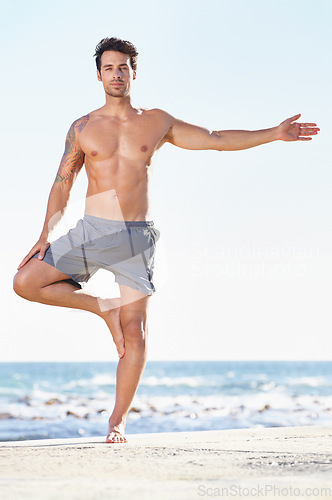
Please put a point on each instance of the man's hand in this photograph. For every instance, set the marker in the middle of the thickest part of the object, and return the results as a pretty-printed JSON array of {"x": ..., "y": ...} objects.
[
  {"x": 288, "y": 131},
  {"x": 41, "y": 246}
]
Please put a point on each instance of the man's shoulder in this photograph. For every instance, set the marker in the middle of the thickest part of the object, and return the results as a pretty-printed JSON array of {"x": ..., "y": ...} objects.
[
  {"x": 158, "y": 112},
  {"x": 79, "y": 124},
  {"x": 162, "y": 116}
]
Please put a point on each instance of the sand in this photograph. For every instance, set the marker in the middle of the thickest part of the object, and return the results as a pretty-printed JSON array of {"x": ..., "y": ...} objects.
[{"x": 280, "y": 462}]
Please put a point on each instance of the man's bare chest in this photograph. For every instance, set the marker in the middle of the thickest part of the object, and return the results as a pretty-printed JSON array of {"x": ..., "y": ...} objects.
[{"x": 136, "y": 140}]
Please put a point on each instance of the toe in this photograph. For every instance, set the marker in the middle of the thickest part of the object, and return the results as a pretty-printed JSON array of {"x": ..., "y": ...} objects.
[
  {"x": 115, "y": 439},
  {"x": 121, "y": 349}
]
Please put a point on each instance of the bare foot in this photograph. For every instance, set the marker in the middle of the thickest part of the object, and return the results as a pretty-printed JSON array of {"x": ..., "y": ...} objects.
[
  {"x": 116, "y": 433},
  {"x": 112, "y": 318}
]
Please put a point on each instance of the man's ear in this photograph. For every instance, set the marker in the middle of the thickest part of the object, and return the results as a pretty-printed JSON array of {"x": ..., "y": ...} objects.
[
  {"x": 134, "y": 75},
  {"x": 98, "y": 75}
]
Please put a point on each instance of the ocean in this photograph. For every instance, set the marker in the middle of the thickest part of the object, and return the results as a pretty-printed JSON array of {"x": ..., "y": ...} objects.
[{"x": 68, "y": 399}]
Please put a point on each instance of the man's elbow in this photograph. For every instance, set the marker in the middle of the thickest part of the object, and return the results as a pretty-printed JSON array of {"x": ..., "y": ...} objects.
[
  {"x": 217, "y": 141},
  {"x": 61, "y": 189}
]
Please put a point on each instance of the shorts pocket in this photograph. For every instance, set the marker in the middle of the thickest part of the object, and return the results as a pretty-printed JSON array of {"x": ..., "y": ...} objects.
[{"x": 156, "y": 234}]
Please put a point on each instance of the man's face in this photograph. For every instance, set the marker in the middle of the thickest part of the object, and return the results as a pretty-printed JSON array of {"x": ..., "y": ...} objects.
[{"x": 116, "y": 73}]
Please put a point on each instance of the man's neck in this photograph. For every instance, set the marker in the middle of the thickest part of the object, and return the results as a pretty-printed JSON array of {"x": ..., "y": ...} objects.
[{"x": 119, "y": 107}]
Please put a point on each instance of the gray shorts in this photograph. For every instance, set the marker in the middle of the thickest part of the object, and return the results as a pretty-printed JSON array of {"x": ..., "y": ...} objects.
[{"x": 126, "y": 248}]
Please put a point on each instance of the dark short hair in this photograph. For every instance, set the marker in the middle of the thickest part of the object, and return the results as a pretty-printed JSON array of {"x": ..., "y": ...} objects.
[{"x": 118, "y": 45}]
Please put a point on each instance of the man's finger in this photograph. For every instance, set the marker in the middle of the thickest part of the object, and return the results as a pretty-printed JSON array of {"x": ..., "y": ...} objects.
[
  {"x": 308, "y": 132},
  {"x": 41, "y": 254},
  {"x": 295, "y": 117}
]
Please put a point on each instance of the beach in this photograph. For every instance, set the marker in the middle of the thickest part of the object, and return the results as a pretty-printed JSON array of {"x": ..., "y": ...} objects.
[{"x": 283, "y": 462}]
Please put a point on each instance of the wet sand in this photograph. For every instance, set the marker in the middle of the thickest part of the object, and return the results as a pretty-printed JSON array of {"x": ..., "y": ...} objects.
[{"x": 279, "y": 462}]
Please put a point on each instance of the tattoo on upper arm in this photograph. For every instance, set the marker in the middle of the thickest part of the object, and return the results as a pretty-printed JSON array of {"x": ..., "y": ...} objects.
[{"x": 73, "y": 157}]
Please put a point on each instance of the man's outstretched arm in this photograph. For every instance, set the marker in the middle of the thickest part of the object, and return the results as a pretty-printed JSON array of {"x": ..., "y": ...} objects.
[{"x": 187, "y": 136}]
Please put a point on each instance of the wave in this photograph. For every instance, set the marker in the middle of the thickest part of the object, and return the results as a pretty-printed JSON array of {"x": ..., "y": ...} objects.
[{"x": 60, "y": 400}]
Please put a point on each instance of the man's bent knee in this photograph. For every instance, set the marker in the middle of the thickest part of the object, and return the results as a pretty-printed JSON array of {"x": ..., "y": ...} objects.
[
  {"x": 33, "y": 276},
  {"x": 27, "y": 281},
  {"x": 20, "y": 285}
]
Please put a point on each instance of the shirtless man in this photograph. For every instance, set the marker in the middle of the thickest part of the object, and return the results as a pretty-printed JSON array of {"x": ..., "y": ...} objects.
[{"x": 116, "y": 144}]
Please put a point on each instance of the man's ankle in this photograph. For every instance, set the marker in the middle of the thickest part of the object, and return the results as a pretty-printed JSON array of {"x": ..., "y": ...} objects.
[{"x": 117, "y": 420}]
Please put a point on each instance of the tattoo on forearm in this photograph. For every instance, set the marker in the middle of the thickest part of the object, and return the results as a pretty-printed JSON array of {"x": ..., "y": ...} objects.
[{"x": 73, "y": 157}]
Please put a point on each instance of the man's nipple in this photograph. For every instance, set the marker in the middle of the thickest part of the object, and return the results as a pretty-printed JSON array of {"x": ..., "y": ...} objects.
[
  {"x": 94, "y": 153},
  {"x": 144, "y": 148}
]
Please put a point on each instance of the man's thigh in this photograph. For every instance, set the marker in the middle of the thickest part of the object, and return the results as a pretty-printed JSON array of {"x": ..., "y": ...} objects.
[
  {"x": 37, "y": 273},
  {"x": 134, "y": 306}
]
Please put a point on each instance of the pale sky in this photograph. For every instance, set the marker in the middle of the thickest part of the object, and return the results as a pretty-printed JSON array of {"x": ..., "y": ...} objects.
[{"x": 243, "y": 265}]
